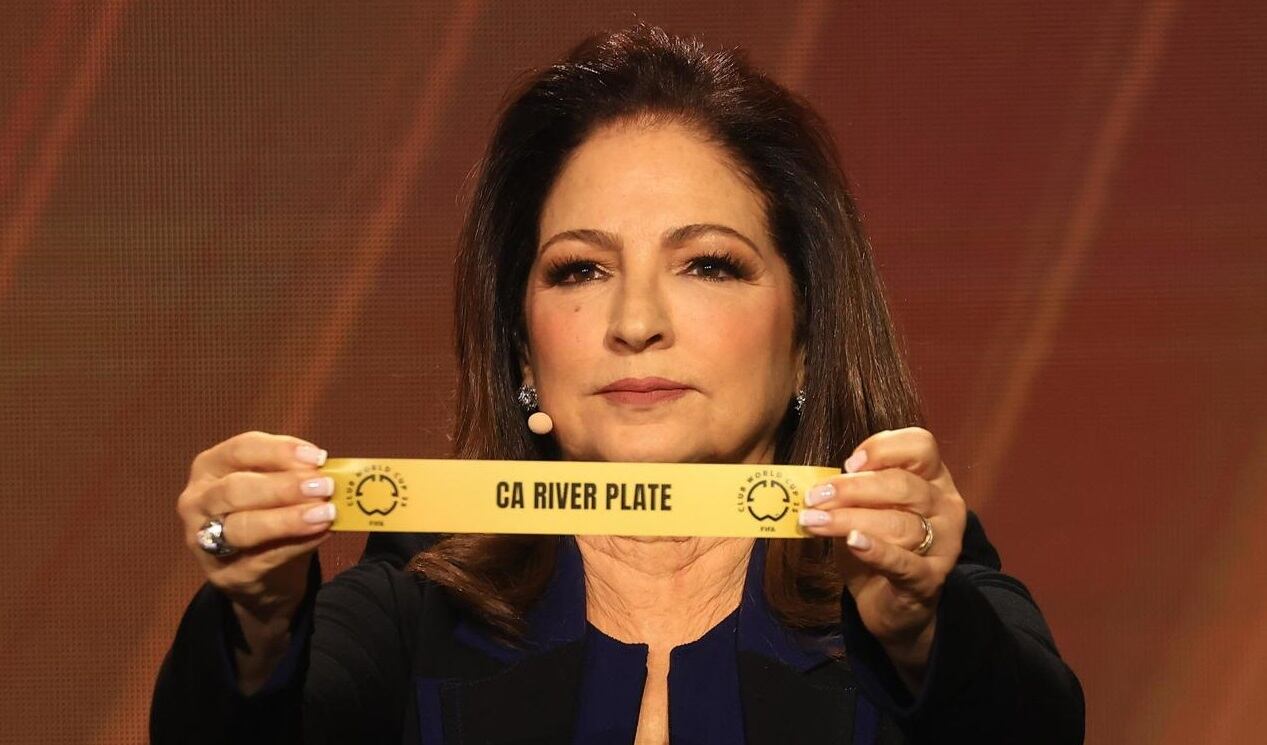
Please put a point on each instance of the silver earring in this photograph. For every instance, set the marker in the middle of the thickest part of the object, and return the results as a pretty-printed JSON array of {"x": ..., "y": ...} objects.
[
  {"x": 798, "y": 404},
  {"x": 527, "y": 397}
]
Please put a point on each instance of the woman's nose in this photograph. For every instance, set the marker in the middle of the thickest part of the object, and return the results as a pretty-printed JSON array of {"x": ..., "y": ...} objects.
[{"x": 640, "y": 317}]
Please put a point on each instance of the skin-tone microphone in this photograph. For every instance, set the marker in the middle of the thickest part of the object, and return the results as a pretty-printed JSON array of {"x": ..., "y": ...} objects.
[{"x": 540, "y": 423}]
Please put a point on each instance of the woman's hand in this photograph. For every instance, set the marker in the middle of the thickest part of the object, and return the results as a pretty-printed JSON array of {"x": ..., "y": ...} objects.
[
  {"x": 273, "y": 502},
  {"x": 891, "y": 478}
]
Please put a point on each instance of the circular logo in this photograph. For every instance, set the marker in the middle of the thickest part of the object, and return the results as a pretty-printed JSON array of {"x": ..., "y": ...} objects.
[
  {"x": 768, "y": 500},
  {"x": 768, "y": 497},
  {"x": 377, "y": 490}
]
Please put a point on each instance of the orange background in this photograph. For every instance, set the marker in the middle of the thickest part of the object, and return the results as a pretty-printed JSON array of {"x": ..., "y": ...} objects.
[{"x": 232, "y": 216}]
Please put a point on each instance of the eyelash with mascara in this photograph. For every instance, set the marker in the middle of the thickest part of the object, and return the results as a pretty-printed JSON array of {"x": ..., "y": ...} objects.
[{"x": 559, "y": 270}]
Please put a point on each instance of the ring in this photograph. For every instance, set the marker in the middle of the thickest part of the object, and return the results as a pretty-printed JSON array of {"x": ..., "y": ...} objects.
[
  {"x": 211, "y": 538},
  {"x": 922, "y": 548}
]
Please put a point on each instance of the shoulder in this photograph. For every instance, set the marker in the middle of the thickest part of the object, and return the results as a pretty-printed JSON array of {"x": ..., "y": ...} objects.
[
  {"x": 380, "y": 584},
  {"x": 378, "y": 605},
  {"x": 378, "y": 587}
]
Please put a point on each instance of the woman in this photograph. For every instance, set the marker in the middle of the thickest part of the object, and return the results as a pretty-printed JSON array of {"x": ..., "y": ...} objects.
[{"x": 662, "y": 255}]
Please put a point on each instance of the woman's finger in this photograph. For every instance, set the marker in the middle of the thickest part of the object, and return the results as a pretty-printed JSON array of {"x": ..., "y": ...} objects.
[
  {"x": 247, "y": 490},
  {"x": 255, "y": 528},
  {"x": 256, "y": 451},
  {"x": 904, "y": 569},
  {"x": 913, "y": 449},
  {"x": 240, "y": 576},
  {"x": 891, "y": 487},
  {"x": 899, "y": 527}
]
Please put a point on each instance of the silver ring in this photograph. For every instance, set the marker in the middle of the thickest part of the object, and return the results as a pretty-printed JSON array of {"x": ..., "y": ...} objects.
[
  {"x": 211, "y": 538},
  {"x": 922, "y": 548}
]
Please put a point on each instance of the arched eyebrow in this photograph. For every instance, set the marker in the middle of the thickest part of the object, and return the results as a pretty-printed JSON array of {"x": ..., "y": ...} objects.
[
  {"x": 673, "y": 237},
  {"x": 678, "y": 236},
  {"x": 597, "y": 238}
]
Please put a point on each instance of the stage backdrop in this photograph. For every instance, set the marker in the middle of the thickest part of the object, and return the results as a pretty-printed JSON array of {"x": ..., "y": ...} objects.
[{"x": 217, "y": 217}]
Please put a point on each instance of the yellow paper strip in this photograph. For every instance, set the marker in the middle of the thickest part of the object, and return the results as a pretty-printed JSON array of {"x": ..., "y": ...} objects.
[{"x": 570, "y": 497}]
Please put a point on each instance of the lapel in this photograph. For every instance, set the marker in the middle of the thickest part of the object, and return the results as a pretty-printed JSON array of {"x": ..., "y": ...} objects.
[
  {"x": 782, "y": 705},
  {"x": 533, "y": 697},
  {"x": 784, "y": 675},
  {"x": 533, "y": 701}
]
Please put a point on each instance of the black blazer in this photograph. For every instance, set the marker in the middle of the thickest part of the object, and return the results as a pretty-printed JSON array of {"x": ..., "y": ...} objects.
[{"x": 360, "y": 640}]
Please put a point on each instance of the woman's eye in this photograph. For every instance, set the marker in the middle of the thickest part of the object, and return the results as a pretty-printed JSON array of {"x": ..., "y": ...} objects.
[
  {"x": 714, "y": 267},
  {"x": 573, "y": 273}
]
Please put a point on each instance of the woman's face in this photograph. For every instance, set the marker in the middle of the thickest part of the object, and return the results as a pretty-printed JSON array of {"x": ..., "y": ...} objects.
[{"x": 659, "y": 313}]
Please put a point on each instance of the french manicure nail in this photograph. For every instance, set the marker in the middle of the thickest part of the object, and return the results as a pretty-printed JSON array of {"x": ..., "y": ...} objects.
[
  {"x": 322, "y": 513},
  {"x": 820, "y": 494},
  {"x": 313, "y": 456},
  {"x": 322, "y": 487},
  {"x": 814, "y": 517},
  {"x": 856, "y": 461},
  {"x": 858, "y": 540}
]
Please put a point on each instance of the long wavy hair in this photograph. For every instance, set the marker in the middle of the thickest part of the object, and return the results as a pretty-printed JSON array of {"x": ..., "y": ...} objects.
[{"x": 856, "y": 381}]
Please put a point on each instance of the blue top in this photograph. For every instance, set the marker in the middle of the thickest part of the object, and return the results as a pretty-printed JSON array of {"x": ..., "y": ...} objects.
[{"x": 704, "y": 697}]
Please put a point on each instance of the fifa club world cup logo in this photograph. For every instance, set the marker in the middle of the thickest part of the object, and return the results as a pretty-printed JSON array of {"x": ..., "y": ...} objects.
[
  {"x": 377, "y": 490},
  {"x": 768, "y": 497}
]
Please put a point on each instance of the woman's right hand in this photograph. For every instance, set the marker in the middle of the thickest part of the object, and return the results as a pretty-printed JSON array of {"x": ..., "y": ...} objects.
[{"x": 274, "y": 505}]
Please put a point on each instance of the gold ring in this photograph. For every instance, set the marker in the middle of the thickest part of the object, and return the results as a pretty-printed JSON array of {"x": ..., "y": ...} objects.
[{"x": 922, "y": 548}]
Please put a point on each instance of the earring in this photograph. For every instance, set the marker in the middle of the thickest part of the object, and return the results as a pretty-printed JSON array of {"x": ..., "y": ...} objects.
[
  {"x": 539, "y": 422},
  {"x": 527, "y": 397},
  {"x": 798, "y": 404}
]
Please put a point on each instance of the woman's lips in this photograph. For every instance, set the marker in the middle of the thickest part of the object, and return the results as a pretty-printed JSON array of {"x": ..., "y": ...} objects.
[
  {"x": 644, "y": 397},
  {"x": 643, "y": 390}
]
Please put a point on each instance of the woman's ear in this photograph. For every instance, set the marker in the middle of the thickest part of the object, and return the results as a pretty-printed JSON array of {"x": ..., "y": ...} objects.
[{"x": 525, "y": 364}]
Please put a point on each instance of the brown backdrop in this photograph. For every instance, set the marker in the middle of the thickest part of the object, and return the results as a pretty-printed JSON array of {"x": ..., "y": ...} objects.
[{"x": 231, "y": 216}]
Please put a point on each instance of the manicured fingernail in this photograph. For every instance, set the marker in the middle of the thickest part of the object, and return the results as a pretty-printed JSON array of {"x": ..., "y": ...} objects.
[
  {"x": 814, "y": 517},
  {"x": 858, "y": 540},
  {"x": 856, "y": 461},
  {"x": 313, "y": 456},
  {"x": 322, "y": 513},
  {"x": 820, "y": 494},
  {"x": 322, "y": 487}
]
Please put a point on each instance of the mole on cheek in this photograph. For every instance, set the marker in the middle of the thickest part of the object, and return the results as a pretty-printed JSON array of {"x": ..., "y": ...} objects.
[{"x": 577, "y": 309}]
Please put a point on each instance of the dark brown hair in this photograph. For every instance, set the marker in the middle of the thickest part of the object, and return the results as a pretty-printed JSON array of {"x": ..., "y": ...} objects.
[{"x": 856, "y": 381}]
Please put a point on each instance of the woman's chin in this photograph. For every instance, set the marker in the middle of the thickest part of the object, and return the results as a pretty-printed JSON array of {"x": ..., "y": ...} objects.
[{"x": 645, "y": 448}]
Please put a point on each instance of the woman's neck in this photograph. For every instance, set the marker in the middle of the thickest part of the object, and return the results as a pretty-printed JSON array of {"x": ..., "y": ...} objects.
[{"x": 663, "y": 592}]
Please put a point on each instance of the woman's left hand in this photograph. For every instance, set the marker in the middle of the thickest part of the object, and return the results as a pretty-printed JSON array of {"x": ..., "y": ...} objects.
[{"x": 890, "y": 479}]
